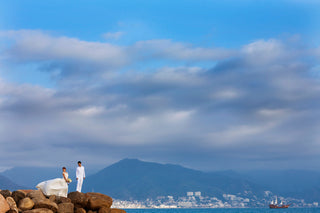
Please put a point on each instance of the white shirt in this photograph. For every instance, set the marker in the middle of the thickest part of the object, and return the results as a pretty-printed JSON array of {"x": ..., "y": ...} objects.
[{"x": 80, "y": 172}]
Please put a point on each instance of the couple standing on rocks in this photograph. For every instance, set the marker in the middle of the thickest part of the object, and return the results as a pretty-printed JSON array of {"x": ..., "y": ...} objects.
[{"x": 59, "y": 186}]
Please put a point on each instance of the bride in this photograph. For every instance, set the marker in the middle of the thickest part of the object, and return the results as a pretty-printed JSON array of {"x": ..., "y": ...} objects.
[{"x": 58, "y": 186}]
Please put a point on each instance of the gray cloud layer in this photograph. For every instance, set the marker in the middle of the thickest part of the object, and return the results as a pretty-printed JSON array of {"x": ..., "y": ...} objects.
[{"x": 256, "y": 107}]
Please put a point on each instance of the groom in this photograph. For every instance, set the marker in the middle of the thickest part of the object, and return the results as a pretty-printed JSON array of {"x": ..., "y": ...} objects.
[{"x": 81, "y": 175}]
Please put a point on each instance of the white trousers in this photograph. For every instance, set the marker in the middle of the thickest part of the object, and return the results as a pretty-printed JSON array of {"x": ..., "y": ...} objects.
[{"x": 79, "y": 184}]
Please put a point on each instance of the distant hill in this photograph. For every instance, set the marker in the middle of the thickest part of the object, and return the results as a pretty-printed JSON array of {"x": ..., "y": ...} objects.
[
  {"x": 6, "y": 183},
  {"x": 301, "y": 184},
  {"x": 135, "y": 179},
  {"x": 31, "y": 176}
]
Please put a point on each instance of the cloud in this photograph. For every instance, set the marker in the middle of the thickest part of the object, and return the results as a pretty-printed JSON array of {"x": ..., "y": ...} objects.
[
  {"x": 168, "y": 49},
  {"x": 270, "y": 51},
  {"x": 37, "y": 46},
  {"x": 262, "y": 51},
  {"x": 114, "y": 35},
  {"x": 65, "y": 56},
  {"x": 256, "y": 104}
]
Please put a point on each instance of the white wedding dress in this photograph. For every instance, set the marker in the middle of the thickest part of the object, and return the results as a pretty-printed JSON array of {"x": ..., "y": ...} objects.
[{"x": 58, "y": 186}]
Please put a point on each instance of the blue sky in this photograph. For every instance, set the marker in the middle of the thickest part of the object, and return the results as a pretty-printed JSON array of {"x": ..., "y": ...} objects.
[
  {"x": 223, "y": 23},
  {"x": 207, "y": 84},
  {"x": 206, "y": 23}
]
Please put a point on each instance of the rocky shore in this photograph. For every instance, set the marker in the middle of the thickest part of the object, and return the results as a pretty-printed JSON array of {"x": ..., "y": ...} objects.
[{"x": 34, "y": 201}]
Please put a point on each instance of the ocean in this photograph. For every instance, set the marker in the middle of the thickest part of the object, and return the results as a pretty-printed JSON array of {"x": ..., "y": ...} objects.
[{"x": 246, "y": 210}]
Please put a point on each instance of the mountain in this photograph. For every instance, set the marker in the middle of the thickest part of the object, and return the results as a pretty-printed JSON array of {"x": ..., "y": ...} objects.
[
  {"x": 6, "y": 183},
  {"x": 31, "y": 176},
  {"x": 135, "y": 179},
  {"x": 138, "y": 180},
  {"x": 302, "y": 184}
]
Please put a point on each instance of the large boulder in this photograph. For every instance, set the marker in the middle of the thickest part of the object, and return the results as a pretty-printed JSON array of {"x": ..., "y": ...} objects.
[
  {"x": 48, "y": 204},
  {"x": 26, "y": 191},
  {"x": 40, "y": 210},
  {"x": 62, "y": 200},
  {"x": 36, "y": 196},
  {"x": 79, "y": 210},
  {"x": 52, "y": 198},
  {"x": 104, "y": 210},
  {"x": 13, "y": 211},
  {"x": 98, "y": 200},
  {"x": 12, "y": 204},
  {"x": 65, "y": 208},
  {"x": 79, "y": 199},
  {"x": 18, "y": 195},
  {"x": 4, "y": 206},
  {"x": 26, "y": 204},
  {"x": 114, "y": 210},
  {"x": 5, "y": 193}
]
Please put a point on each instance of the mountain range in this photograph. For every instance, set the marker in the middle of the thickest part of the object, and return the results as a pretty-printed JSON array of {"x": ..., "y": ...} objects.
[
  {"x": 132, "y": 179},
  {"x": 6, "y": 183}
]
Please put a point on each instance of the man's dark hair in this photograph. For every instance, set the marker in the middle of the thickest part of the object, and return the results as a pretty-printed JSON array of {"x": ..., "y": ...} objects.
[{"x": 79, "y": 162}]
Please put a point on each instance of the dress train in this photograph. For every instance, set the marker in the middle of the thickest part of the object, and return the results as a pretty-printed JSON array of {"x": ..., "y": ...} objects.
[{"x": 58, "y": 187}]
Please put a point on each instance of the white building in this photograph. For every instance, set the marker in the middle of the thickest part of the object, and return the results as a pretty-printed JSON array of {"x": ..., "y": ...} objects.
[
  {"x": 197, "y": 194},
  {"x": 189, "y": 193},
  {"x": 185, "y": 204}
]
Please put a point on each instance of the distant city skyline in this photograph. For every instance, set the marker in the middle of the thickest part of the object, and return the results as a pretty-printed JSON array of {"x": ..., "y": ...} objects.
[{"x": 210, "y": 85}]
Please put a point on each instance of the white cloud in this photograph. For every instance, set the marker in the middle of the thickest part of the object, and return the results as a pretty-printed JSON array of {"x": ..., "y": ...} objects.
[
  {"x": 39, "y": 46},
  {"x": 179, "y": 51},
  {"x": 17, "y": 92},
  {"x": 179, "y": 75},
  {"x": 274, "y": 113},
  {"x": 262, "y": 51},
  {"x": 180, "y": 116},
  {"x": 90, "y": 111},
  {"x": 226, "y": 94},
  {"x": 113, "y": 35},
  {"x": 178, "y": 109}
]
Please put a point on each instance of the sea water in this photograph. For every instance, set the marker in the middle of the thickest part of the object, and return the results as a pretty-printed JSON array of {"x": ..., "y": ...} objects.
[{"x": 247, "y": 210}]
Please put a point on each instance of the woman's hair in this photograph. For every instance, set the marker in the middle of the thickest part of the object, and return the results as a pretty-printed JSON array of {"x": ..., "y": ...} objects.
[{"x": 63, "y": 167}]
